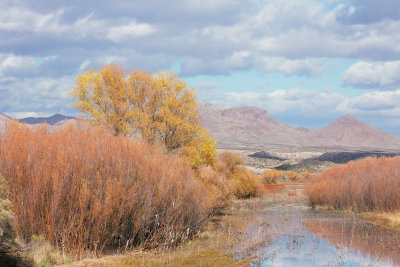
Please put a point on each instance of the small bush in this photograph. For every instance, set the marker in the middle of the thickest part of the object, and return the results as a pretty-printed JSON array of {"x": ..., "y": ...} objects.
[
  {"x": 85, "y": 189},
  {"x": 371, "y": 184},
  {"x": 271, "y": 176},
  {"x": 220, "y": 188},
  {"x": 293, "y": 176},
  {"x": 229, "y": 161},
  {"x": 247, "y": 184},
  {"x": 274, "y": 176}
]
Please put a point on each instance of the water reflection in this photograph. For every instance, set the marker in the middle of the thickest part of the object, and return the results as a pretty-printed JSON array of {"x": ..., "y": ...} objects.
[{"x": 295, "y": 235}]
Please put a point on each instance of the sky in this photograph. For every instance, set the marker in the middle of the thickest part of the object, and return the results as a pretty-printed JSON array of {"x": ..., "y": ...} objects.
[{"x": 307, "y": 62}]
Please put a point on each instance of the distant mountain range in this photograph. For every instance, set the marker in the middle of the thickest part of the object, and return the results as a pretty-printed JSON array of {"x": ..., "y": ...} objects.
[
  {"x": 50, "y": 120},
  {"x": 252, "y": 127},
  {"x": 56, "y": 120}
]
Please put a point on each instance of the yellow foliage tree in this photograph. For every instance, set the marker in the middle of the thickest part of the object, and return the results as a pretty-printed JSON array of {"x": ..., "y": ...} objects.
[
  {"x": 201, "y": 151},
  {"x": 102, "y": 96},
  {"x": 160, "y": 107}
]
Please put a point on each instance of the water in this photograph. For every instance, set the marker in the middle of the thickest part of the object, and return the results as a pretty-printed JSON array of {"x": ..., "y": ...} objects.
[{"x": 292, "y": 234}]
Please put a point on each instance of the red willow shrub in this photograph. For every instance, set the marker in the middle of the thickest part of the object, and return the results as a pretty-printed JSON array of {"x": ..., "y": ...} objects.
[
  {"x": 84, "y": 189},
  {"x": 371, "y": 184},
  {"x": 245, "y": 183}
]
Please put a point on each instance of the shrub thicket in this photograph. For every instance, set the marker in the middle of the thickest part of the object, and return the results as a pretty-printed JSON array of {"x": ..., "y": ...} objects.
[
  {"x": 275, "y": 176},
  {"x": 85, "y": 189},
  {"x": 9, "y": 250},
  {"x": 246, "y": 184},
  {"x": 220, "y": 187},
  {"x": 366, "y": 185}
]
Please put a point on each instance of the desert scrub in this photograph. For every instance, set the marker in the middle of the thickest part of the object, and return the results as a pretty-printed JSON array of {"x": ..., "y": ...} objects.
[
  {"x": 371, "y": 184},
  {"x": 220, "y": 187},
  {"x": 84, "y": 189},
  {"x": 246, "y": 184}
]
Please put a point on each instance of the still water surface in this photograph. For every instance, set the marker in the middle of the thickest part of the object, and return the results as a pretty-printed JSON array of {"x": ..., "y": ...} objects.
[{"x": 296, "y": 235}]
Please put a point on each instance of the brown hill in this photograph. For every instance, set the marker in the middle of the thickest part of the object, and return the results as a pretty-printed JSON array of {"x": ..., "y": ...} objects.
[
  {"x": 348, "y": 131},
  {"x": 252, "y": 127}
]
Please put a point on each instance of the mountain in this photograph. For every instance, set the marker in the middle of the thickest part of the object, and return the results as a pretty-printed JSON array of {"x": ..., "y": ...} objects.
[
  {"x": 252, "y": 127},
  {"x": 4, "y": 119},
  {"x": 52, "y": 120},
  {"x": 348, "y": 131}
]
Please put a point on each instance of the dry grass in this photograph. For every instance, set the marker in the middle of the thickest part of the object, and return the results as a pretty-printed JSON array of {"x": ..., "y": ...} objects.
[
  {"x": 384, "y": 219},
  {"x": 371, "y": 184},
  {"x": 84, "y": 189}
]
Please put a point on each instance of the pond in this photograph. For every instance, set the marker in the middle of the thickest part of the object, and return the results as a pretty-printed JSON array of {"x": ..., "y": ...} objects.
[{"x": 290, "y": 233}]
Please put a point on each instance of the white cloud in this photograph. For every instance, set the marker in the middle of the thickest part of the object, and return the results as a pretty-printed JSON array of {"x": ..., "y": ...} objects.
[
  {"x": 42, "y": 94},
  {"x": 384, "y": 103},
  {"x": 131, "y": 30},
  {"x": 294, "y": 101},
  {"x": 308, "y": 66},
  {"x": 11, "y": 65},
  {"x": 378, "y": 74}
]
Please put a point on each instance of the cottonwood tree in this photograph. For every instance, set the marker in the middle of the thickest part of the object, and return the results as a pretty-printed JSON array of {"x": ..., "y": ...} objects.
[
  {"x": 102, "y": 95},
  {"x": 160, "y": 107}
]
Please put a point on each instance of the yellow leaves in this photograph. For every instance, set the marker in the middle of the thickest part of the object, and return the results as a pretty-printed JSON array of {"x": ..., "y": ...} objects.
[
  {"x": 160, "y": 107},
  {"x": 101, "y": 95},
  {"x": 202, "y": 150},
  {"x": 271, "y": 176}
]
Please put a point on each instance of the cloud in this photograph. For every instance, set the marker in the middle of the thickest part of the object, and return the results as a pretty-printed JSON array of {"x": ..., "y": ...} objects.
[
  {"x": 378, "y": 74},
  {"x": 11, "y": 65},
  {"x": 39, "y": 95},
  {"x": 308, "y": 67},
  {"x": 368, "y": 11},
  {"x": 240, "y": 60},
  {"x": 384, "y": 103},
  {"x": 294, "y": 101},
  {"x": 133, "y": 29}
]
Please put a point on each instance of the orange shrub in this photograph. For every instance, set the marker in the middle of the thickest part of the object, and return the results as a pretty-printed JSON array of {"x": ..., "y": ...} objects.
[
  {"x": 271, "y": 176},
  {"x": 247, "y": 183},
  {"x": 219, "y": 186},
  {"x": 85, "y": 189},
  {"x": 293, "y": 176},
  {"x": 366, "y": 185},
  {"x": 230, "y": 161}
]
